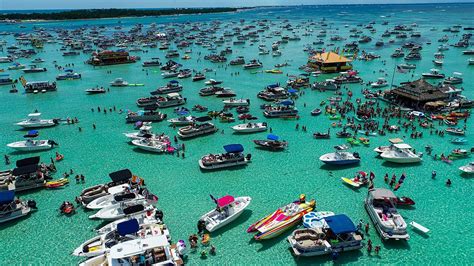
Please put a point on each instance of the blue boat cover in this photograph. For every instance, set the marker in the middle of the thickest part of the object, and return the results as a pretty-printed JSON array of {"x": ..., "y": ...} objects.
[
  {"x": 272, "y": 137},
  {"x": 287, "y": 102},
  {"x": 231, "y": 148},
  {"x": 128, "y": 227},
  {"x": 292, "y": 90},
  {"x": 68, "y": 70},
  {"x": 7, "y": 196},
  {"x": 174, "y": 81},
  {"x": 340, "y": 224},
  {"x": 184, "y": 112},
  {"x": 271, "y": 86}
]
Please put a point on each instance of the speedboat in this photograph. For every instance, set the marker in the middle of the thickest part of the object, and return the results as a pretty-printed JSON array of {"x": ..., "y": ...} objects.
[
  {"x": 32, "y": 144},
  {"x": 236, "y": 102},
  {"x": 327, "y": 85},
  {"x": 151, "y": 217},
  {"x": 150, "y": 144},
  {"x": 253, "y": 64},
  {"x": 210, "y": 90},
  {"x": 199, "y": 128},
  {"x": 95, "y": 90},
  {"x": 233, "y": 157},
  {"x": 118, "y": 82},
  {"x": 401, "y": 153},
  {"x": 213, "y": 82},
  {"x": 172, "y": 86},
  {"x": 226, "y": 92},
  {"x": 227, "y": 210},
  {"x": 109, "y": 200},
  {"x": 144, "y": 130},
  {"x": 455, "y": 131},
  {"x": 12, "y": 208},
  {"x": 271, "y": 143},
  {"x": 468, "y": 168},
  {"x": 380, "y": 83},
  {"x": 455, "y": 79},
  {"x": 69, "y": 74},
  {"x": 381, "y": 149},
  {"x": 182, "y": 120},
  {"x": 34, "y": 121},
  {"x": 380, "y": 205},
  {"x": 340, "y": 235},
  {"x": 123, "y": 209},
  {"x": 282, "y": 219},
  {"x": 340, "y": 156},
  {"x": 434, "y": 74},
  {"x": 171, "y": 99},
  {"x": 250, "y": 127}
]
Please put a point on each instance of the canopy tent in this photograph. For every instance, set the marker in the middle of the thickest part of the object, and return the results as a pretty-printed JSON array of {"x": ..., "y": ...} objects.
[
  {"x": 340, "y": 224},
  {"x": 24, "y": 170},
  {"x": 28, "y": 161},
  {"x": 7, "y": 196},
  {"x": 233, "y": 148},
  {"x": 128, "y": 227},
  {"x": 121, "y": 175},
  {"x": 32, "y": 134},
  {"x": 224, "y": 201},
  {"x": 272, "y": 137}
]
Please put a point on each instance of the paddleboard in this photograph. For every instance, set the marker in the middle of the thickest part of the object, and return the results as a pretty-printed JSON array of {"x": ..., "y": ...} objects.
[
  {"x": 350, "y": 182},
  {"x": 136, "y": 85}
]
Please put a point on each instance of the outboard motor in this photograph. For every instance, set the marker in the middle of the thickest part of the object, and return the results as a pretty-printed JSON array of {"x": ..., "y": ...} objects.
[
  {"x": 159, "y": 215},
  {"x": 356, "y": 154},
  {"x": 56, "y": 121},
  {"x": 201, "y": 225},
  {"x": 52, "y": 143},
  {"x": 248, "y": 157},
  {"x": 31, "y": 204}
]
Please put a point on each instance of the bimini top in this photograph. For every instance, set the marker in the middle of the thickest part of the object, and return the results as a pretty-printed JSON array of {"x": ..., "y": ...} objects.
[
  {"x": 32, "y": 134},
  {"x": 203, "y": 118},
  {"x": 396, "y": 140},
  {"x": 272, "y": 137},
  {"x": 287, "y": 102},
  {"x": 402, "y": 146},
  {"x": 340, "y": 224},
  {"x": 233, "y": 148},
  {"x": 128, "y": 227},
  {"x": 382, "y": 193},
  {"x": 174, "y": 81},
  {"x": 121, "y": 175},
  {"x": 224, "y": 201},
  {"x": 7, "y": 196},
  {"x": 28, "y": 161},
  {"x": 25, "y": 170}
]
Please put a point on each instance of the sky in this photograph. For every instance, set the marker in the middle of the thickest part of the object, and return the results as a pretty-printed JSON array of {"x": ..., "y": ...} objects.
[{"x": 84, "y": 4}]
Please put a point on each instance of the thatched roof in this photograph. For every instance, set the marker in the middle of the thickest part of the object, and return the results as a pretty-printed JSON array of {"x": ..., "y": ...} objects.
[
  {"x": 419, "y": 90},
  {"x": 329, "y": 57}
]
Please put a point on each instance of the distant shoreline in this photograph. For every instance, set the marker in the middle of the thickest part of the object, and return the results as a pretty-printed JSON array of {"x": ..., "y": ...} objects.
[{"x": 112, "y": 13}]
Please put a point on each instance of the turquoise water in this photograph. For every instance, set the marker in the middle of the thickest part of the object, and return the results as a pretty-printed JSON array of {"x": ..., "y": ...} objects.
[{"x": 272, "y": 179}]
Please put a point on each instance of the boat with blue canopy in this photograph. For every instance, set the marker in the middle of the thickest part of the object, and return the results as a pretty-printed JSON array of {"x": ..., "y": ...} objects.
[
  {"x": 13, "y": 208},
  {"x": 271, "y": 143},
  {"x": 233, "y": 157}
]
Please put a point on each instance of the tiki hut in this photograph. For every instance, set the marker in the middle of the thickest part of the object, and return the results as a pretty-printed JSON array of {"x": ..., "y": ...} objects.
[{"x": 329, "y": 62}]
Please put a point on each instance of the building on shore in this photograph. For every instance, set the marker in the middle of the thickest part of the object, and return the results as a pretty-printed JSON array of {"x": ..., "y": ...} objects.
[{"x": 329, "y": 62}]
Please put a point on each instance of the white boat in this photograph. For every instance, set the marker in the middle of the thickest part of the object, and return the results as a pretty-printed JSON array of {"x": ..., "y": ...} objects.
[
  {"x": 280, "y": 111},
  {"x": 182, "y": 120},
  {"x": 142, "y": 218},
  {"x": 150, "y": 144},
  {"x": 171, "y": 99},
  {"x": 100, "y": 260},
  {"x": 118, "y": 82},
  {"x": 380, "y": 83},
  {"x": 419, "y": 227},
  {"x": 121, "y": 210},
  {"x": 339, "y": 235},
  {"x": 31, "y": 145},
  {"x": 381, "y": 149},
  {"x": 145, "y": 130},
  {"x": 12, "y": 208},
  {"x": 340, "y": 156},
  {"x": 401, "y": 153},
  {"x": 125, "y": 231},
  {"x": 34, "y": 121},
  {"x": 236, "y": 102},
  {"x": 197, "y": 129},
  {"x": 228, "y": 209},
  {"x": 468, "y": 168},
  {"x": 434, "y": 74},
  {"x": 382, "y": 211},
  {"x": 250, "y": 127},
  {"x": 156, "y": 250},
  {"x": 109, "y": 200},
  {"x": 233, "y": 157}
]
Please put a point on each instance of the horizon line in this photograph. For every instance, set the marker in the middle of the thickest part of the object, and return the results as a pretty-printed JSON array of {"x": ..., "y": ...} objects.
[{"x": 250, "y": 6}]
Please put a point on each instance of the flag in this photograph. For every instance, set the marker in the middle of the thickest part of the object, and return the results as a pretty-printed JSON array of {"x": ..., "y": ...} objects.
[
  {"x": 401, "y": 70},
  {"x": 214, "y": 199},
  {"x": 371, "y": 185},
  {"x": 397, "y": 186},
  {"x": 372, "y": 176}
]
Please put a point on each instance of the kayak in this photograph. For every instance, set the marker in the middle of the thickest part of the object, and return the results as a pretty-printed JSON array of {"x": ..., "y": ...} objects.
[
  {"x": 351, "y": 182},
  {"x": 282, "y": 219}
]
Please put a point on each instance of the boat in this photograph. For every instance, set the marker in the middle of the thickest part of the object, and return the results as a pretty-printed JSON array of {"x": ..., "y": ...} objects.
[
  {"x": 455, "y": 79},
  {"x": 340, "y": 235},
  {"x": 150, "y": 217},
  {"x": 5, "y": 79},
  {"x": 182, "y": 120},
  {"x": 120, "y": 182},
  {"x": 40, "y": 86},
  {"x": 199, "y": 108},
  {"x": 123, "y": 209},
  {"x": 381, "y": 149},
  {"x": 114, "y": 199},
  {"x": 340, "y": 156},
  {"x": 468, "y": 168},
  {"x": 211, "y": 91},
  {"x": 271, "y": 143},
  {"x": 316, "y": 112},
  {"x": 282, "y": 219},
  {"x": 401, "y": 153},
  {"x": 149, "y": 114},
  {"x": 172, "y": 86},
  {"x": 232, "y": 157},
  {"x": 96, "y": 90},
  {"x": 171, "y": 99},
  {"x": 280, "y": 111},
  {"x": 455, "y": 131},
  {"x": 199, "y": 128},
  {"x": 406, "y": 66},
  {"x": 148, "y": 143},
  {"x": 404, "y": 201},
  {"x": 419, "y": 227},
  {"x": 433, "y": 74},
  {"x": 458, "y": 140},
  {"x": 213, "y": 82},
  {"x": 236, "y": 102},
  {"x": 327, "y": 85},
  {"x": 68, "y": 75},
  {"x": 119, "y": 82},
  {"x": 250, "y": 127},
  {"x": 34, "y": 121},
  {"x": 34, "y": 69},
  {"x": 144, "y": 130},
  {"x": 253, "y": 64},
  {"x": 12, "y": 208},
  {"x": 356, "y": 181},
  {"x": 226, "y": 92},
  {"x": 380, "y": 83},
  {"x": 228, "y": 209},
  {"x": 26, "y": 176},
  {"x": 380, "y": 205},
  {"x": 199, "y": 76},
  {"x": 31, "y": 144},
  {"x": 153, "y": 62}
]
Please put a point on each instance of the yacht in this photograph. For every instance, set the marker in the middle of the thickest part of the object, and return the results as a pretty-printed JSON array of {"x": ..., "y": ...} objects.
[
  {"x": 144, "y": 130},
  {"x": 228, "y": 209},
  {"x": 153, "y": 62},
  {"x": 150, "y": 144},
  {"x": 468, "y": 168},
  {"x": 34, "y": 121},
  {"x": 233, "y": 156},
  {"x": 273, "y": 92},
  {"x": 12, "y": 208},
  {"x": 339, "y": 235},
  {"x": 236, "y": 102},
  {"x": 119, "y": 82},
  {"x": 250, "y": 127},
  {"x": 68, "y": 75},
  {"x": 182, "y": 120},
  {"x": 401, "y": 153},
  {"x": 380, "y": 205},
  {"x": 171, "y": 99},
  {"x": 327, "y": 85},
  {"x": 381, "y": 149},
  {"x": 123, "y": 209},
  {"x": 208, "y": 91},
  {"x": 280, "y": 111},
  {"x": 433, "y": 74},
  {"x": 109, "y": 200},
  {"x": 271, "y": 143},
  {"x": 185, "y": 73},
  {"x": 226, "y": 92},
  {"x": 238, "y": 61},
  {"x": 455, "y": 79},
  {"x": 253, "y": 64},
  {"x": 340, "y": 156},
  {"x": 149, "y": 114},
  {"x": 32, "y": 145},
  {"x": 201, "y": 127},
  {"x": 380, "y": 83},
  {"x": 172, "y": 86}
]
